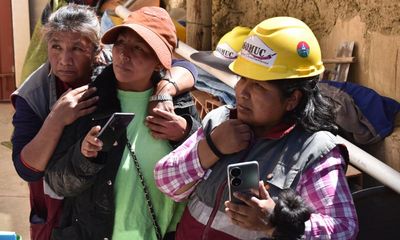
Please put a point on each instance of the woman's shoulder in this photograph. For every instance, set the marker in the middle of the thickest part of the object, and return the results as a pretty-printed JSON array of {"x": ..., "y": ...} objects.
[
  {"x": 320, "y": 141},
  {"x": 35, "y": 80},
  {"x": 217, "y": 116}
]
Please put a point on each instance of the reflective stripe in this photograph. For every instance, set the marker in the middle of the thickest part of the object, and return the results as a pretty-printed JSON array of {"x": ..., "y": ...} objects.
[{"x": 222, "y": 222}]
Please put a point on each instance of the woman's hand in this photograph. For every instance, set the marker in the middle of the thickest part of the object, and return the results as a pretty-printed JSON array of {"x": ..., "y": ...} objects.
[
  {"x": 74, "y": 104},
  {"x": 254, "y": 214},
  {"x": 231, "y": 136},
  {"x": 91, "y": 145},
  {"x": 166, "y": 125}
]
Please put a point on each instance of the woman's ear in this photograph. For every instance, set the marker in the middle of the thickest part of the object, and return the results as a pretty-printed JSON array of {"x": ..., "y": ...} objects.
[{"x": 294, "y": 100}]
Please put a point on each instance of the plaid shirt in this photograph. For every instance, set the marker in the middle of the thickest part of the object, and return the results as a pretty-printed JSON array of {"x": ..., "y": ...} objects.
[{"x": 323, "y": 186}]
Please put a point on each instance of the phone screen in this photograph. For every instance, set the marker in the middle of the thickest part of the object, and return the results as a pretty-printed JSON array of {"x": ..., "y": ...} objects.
[
  {"x": 242, "y": 177},
  {"x": 113, "y": 129}
]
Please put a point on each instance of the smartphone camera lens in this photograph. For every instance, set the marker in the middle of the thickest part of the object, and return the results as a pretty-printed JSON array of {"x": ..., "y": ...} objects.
[
  {"x": 235, "y": 172},
  {"x": 236, "y": 182}
]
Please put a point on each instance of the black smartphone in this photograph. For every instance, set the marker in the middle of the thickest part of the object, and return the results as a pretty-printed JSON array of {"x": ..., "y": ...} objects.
[
  {"x": 113, "y": 129},
  {"x": 242, "y": 177}
]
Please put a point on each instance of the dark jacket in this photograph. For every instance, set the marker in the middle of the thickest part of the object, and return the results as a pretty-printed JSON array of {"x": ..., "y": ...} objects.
[{"x": 87, "y": 184}]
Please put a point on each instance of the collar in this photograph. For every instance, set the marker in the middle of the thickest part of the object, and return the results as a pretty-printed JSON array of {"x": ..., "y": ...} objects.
[{"x": 280, "y": 130}]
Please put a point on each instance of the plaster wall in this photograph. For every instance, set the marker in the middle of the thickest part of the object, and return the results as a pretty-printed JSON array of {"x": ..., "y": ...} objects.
[{"x": 374, "y": 25}]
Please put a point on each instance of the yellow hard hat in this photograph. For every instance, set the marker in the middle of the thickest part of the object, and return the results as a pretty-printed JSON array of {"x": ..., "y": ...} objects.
[
  {"x": 279, "y": 48},
  {"x": 231, "y": 43},
  {"x": 226, "y": 51}
]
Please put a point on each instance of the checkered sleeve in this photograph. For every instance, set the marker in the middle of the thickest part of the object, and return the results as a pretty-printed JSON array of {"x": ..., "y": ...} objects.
[
  {"x": 324, "y": 187},
  {"x": 180, "y": 167}
]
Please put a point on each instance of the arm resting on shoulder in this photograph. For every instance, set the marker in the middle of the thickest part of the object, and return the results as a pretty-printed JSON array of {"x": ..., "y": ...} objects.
[{"x": 181, "y": 78}]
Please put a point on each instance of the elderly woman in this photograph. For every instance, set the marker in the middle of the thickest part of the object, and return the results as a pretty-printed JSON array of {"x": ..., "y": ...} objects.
[
  {"x": 112, "y": 194},
  {"x": 56, "y": 94},
  {"x": 282, "y": 122}
]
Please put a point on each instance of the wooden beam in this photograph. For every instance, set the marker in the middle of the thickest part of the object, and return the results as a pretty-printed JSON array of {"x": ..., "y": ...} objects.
[
  {"x": 198, "y": 24},
  {"x": 339, "y": 60}
]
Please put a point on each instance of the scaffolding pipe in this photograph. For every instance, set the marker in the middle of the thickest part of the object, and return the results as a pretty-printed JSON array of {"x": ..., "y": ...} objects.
[{"x": 372, "y": 166}]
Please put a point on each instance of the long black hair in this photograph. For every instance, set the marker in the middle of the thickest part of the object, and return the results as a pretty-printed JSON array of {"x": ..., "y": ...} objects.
[{"x": 314, "y": 111}]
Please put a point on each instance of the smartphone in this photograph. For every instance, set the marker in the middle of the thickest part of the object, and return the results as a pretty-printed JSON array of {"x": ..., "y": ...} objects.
[
  {"x": 242, "y": 177},
  {"x": 113, "y": 129}
]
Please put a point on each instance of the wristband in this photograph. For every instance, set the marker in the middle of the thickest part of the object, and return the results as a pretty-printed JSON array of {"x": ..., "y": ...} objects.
[
  {"x": 173, "y": 83},
  {"x": 212, "y": 146},
  {"x": 161, "y": 97}
]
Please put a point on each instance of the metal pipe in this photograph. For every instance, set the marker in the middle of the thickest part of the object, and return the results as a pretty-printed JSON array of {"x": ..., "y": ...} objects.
[{"x": 372, "y": 166}]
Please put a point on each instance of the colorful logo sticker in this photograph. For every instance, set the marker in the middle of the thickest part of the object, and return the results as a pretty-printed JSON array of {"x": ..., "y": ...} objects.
[
  {"x": 255, "y": 50},
  {"x": 224, "y": 51},
  {"x": 303, "y": 49}
]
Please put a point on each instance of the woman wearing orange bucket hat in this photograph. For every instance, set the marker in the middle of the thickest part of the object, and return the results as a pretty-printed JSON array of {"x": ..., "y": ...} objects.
[
  {"x": 112, "y": 193},
  {"x": 282, "y": 122}
]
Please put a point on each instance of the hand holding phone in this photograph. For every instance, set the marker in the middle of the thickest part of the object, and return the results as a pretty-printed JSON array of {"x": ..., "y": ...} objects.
[
  {"x": 113, "y": 129},
  {"x": 242, "y": 177}
]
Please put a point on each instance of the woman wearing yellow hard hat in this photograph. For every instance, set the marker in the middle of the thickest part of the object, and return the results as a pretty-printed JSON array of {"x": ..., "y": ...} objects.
[{"x": 282, "y": 122}]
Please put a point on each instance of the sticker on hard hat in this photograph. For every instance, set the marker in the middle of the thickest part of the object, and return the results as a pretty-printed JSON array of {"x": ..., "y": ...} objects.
[
  {"x": 224, "y": 51},
  {"x": 255, "y": 50},
  {"x": 303, "y": 49}
]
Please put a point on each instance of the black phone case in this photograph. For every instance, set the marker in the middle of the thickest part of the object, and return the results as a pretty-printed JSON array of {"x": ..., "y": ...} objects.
[
  {"x": 247, "y": 179},
  {"x": 113, "y": 129}
]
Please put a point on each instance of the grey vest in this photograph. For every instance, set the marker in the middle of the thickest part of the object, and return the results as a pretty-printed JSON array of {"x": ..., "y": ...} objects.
[
  {"x": 39, "y": 91},
  {"x": 286, "y": 158}
]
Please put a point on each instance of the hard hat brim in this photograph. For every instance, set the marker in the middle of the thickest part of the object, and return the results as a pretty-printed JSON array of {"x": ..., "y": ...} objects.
[{"x": 208, "y": 58}]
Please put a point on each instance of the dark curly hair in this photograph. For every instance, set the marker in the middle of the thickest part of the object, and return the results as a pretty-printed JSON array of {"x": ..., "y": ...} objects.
[{"x": 314, "y": 111}]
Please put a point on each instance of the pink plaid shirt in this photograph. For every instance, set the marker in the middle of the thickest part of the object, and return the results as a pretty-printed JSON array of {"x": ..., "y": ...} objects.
[{"x": 323, "y": 186}]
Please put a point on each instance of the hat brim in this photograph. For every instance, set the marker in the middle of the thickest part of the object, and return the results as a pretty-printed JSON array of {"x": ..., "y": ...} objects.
[
  {"x": 163, "y": 53},
  {"x": 208, "y": 58}
]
